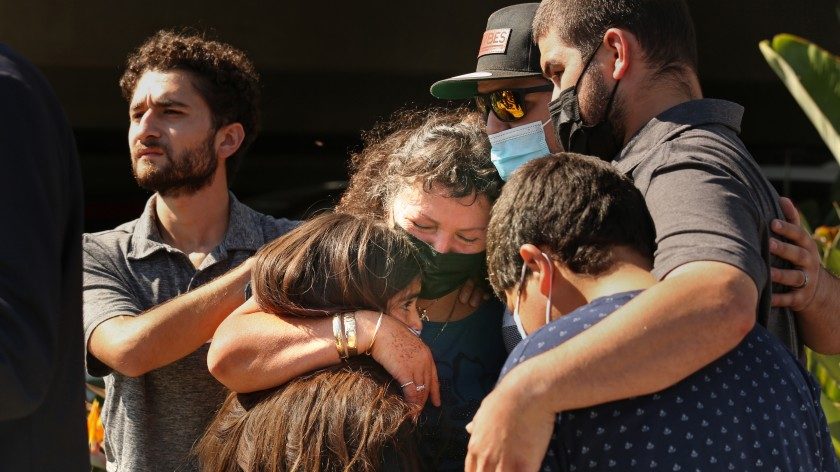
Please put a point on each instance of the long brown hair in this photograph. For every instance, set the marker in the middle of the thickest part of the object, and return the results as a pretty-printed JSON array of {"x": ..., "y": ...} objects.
[
  {"x": 432, "y": 146},
  {"x": 334, "y": 262},
  {"x": 345, "y": 418}
]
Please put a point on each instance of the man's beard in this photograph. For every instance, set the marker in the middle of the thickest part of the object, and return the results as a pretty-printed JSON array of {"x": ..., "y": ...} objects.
[
  {"x": 600, "y": 95},
  {"x": 185, "y": 174}
]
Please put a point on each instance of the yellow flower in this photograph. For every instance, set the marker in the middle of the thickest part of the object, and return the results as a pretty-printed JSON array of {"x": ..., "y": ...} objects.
[{"x": 96, "y": 432}]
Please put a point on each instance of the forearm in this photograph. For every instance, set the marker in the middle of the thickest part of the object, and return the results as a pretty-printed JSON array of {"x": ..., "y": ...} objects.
[
  {"x": 255, "y": 351},
  {"x": 172, "y": 330},
  {"x": 819, "y": 322},
  {"x": 665, "y": 334}
]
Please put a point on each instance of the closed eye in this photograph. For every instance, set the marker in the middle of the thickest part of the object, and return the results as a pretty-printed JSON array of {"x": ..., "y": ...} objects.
[{"x": 419, "y": 226}]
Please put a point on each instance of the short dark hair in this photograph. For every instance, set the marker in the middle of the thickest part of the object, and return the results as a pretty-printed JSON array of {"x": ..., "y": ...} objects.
[
  {"x": 663, "y": 27},
  {"x": 433, "y": 146},
  {"x": 222, "y": 74},
  {"x": 575, "y": 207}
]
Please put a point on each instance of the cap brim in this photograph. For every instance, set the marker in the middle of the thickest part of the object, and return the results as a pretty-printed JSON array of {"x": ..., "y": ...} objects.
[{"x": 466, "y": 86}]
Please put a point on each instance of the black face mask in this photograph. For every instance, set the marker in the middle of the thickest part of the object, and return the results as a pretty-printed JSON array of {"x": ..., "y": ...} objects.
[
  {"x": 576, "y": 136},
  {"x": 444, "y": 272}
]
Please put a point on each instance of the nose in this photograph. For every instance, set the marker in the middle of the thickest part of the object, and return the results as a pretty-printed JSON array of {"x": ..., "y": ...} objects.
[
  {"x": 146, "y": 127},
  {"x": 442, "y": 244},
  {"x": 413, "y": 321},
  {"x": 495, "y": 125}
]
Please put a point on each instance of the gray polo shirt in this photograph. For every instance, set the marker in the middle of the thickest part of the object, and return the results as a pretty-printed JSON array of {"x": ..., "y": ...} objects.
[
  {"x": 708, "y": 198},
  {"x": 152, "y": 421}
]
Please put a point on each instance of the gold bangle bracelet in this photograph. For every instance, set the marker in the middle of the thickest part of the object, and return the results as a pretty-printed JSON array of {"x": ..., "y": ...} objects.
[
  {"x": 338, "y": 333},
  {"x": 351, "y": 348},
  {"x": 375, "y": 332}
]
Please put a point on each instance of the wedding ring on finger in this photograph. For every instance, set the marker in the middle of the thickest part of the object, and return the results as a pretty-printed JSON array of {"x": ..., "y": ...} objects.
[
  {"x": 804, "y": 280},
  {"x": 410, "y": 382},
  {"x": 420, "y": 388}
]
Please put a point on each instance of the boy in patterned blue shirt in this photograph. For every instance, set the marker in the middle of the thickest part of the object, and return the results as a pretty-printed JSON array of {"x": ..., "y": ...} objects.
[{"x": 584, "y": 241}]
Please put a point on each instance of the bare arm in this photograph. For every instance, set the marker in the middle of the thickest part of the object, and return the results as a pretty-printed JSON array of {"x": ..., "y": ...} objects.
[
  {"x": 253, "y": 350},
  {"x": 698, "y": 313},
  {"x": 817, "y": 304},
  {"x": 135, "y": 345}
]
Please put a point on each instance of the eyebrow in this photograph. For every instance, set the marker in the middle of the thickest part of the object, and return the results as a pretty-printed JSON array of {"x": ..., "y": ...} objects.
[
  {"x": 477, "y": 228},
  {"x": 164, "y": 102}
]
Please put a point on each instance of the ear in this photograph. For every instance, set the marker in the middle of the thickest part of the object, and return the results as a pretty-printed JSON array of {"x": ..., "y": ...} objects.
[
  {"x": 620, "y": 44},
  {"x": 228, "y": 139},
  {"x": 539, "y": 266}
]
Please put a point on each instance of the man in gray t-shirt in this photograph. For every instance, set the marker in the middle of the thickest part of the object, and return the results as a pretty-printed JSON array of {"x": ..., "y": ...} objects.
[{"x": 156, "y": 288}]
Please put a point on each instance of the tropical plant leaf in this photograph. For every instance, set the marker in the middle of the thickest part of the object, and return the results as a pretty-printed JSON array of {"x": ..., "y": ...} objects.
[
  {"x": 832, "y": 416},
  {"x": 832, "y": 263},
  {"x": 826, "y": 369},
  {"x": 812, "y": 75}
]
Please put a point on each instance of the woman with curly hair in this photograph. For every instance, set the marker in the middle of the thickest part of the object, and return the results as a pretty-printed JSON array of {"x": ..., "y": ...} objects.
[{"x": 429, "y": 174}]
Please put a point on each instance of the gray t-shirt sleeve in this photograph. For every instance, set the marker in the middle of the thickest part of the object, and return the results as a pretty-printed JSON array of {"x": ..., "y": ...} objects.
[
  {"x": 105, "y": 296},
  {"x": 703, "y": 213}
]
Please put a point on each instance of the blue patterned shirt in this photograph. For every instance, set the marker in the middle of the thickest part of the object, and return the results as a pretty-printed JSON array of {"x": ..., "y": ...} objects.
[{"x": 753, "y": 409}]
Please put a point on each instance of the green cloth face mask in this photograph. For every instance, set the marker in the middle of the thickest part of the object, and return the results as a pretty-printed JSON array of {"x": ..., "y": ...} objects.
[{"x": 444, "y": 272}]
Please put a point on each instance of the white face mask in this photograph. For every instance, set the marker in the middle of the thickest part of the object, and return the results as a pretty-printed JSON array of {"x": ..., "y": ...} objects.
[
  {"x": 516, "y": 318},
  {"x": 513, "y": 147}
]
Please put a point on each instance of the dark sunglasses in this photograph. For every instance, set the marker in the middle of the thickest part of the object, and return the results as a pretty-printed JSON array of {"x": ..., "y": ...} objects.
[{"x": 508, "y": 105}]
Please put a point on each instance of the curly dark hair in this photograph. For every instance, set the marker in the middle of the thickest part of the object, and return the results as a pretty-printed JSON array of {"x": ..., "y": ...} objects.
[
  {"x": 576, "y": 208},
  {"x": 663, "y": 27},
  {"x": 222, "y": 74},
  {"x": 433, "y": 146}
]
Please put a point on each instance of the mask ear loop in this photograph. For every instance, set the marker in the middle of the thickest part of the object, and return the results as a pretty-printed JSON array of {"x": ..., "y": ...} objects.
[
  {"x": 550, "y": 288},
  {"x": 519, "y": 289}
]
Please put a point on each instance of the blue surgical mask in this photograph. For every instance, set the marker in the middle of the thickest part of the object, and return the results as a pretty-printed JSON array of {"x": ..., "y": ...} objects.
[
  {"x": 516, "y": 318},
  {"x": 513, "y": 147}
]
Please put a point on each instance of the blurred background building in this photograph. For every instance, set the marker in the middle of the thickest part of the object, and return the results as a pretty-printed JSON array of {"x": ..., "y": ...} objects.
[{"x": 332, "y": 69}]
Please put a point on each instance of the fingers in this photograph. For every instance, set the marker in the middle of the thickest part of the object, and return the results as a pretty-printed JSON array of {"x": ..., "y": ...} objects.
[
  {"x": 791, "y": 277},
  {"x": 783, "y": 300},
  {"x": 793, "y": 233},
  {"x": 409, "y": 389},
  {"x": 789, "y": 210},
  {"x": 465, "y": 295},
  {"x": 796, "y": 255},
  {"x": 478, "y": 297},
  {"x": 434, "y": 387}
]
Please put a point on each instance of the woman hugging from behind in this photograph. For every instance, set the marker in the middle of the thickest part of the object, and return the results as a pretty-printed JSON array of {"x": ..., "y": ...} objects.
[{"x": 347, "y": 417}]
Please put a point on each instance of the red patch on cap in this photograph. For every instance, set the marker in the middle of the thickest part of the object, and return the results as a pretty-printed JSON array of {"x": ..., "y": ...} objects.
[{"x": 494, "y": 41}]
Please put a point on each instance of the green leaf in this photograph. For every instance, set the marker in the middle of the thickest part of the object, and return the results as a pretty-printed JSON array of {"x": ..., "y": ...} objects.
[
  {"x": 832, "y": 262},
  {"x": 832, "y": 416},
  {"x": 812, "y": 75},
  {"x": 826, "y": 369}
]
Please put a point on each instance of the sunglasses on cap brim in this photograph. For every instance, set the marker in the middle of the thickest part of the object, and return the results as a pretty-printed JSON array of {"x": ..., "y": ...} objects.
[{"x": 509, "y": 104}]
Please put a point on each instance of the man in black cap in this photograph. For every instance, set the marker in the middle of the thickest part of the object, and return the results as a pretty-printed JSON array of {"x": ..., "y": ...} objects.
[{"x": 509, "y": 89}]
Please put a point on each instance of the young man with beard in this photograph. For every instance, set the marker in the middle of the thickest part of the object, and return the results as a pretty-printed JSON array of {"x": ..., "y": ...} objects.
[
  {"x": 626, "y": 90},
  {"x": 156, "y": 288}
]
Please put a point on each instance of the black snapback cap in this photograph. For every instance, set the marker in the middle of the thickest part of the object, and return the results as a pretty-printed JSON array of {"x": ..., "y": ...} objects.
[{"x": 507, "y": 51}]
